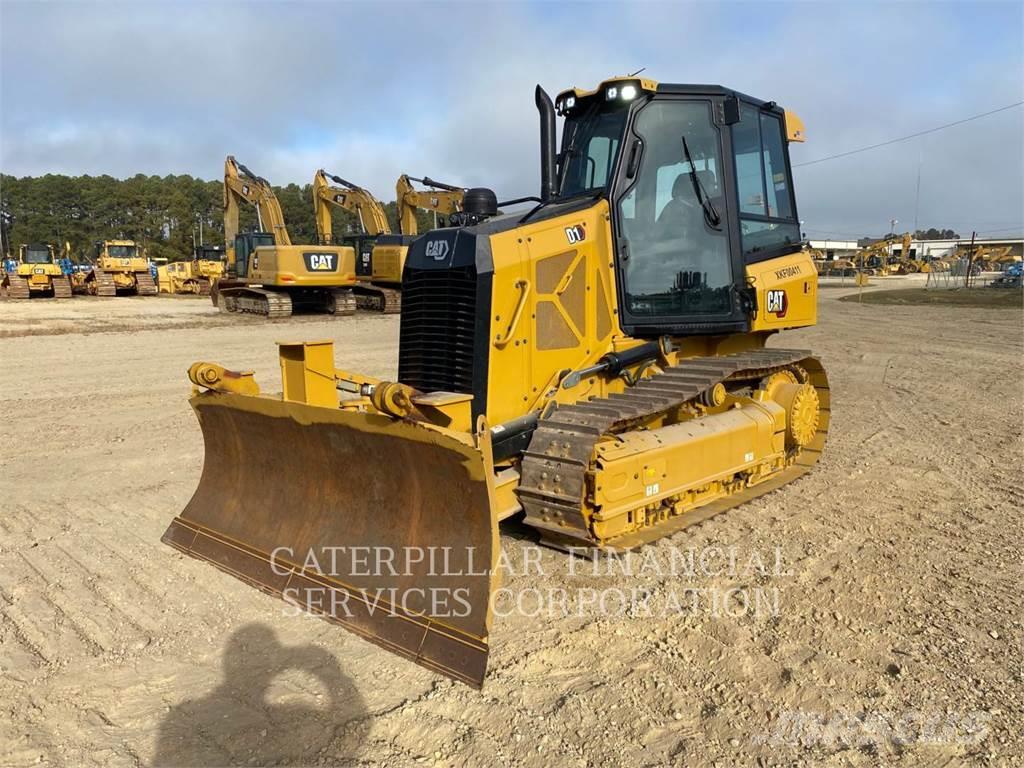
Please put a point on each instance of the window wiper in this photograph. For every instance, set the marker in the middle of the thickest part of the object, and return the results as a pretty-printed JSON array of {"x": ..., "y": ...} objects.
[{"x": 711, "y": 216}]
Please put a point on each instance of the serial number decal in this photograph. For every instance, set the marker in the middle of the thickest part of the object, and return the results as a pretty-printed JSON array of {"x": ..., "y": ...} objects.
[{"x": 782, "y": 274}]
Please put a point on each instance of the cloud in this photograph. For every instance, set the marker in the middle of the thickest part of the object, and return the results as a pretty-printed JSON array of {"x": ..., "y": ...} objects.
[{"x": 369, "y": 91}]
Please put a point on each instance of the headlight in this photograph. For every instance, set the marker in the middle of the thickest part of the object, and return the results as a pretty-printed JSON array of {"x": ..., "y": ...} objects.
[
  {"x": 628, "y": 92},
  {"x": 611, "y": 93},
  {"x": 570, "y": 102}
]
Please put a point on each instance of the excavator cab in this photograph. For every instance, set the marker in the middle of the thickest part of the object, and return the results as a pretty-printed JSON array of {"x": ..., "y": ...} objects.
[{"x": 246, "y": 244}]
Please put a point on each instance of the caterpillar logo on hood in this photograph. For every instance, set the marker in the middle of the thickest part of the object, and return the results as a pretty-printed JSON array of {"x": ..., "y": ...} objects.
[
  {"x": 320, "y": 262},
  {"x": 437, "y": 249}
]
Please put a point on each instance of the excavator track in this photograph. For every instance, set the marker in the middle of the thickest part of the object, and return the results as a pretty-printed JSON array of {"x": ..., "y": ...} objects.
[
  {"x": 144, "y": 285},
  {"x": 17, "y": 287},
  {"x": 255, "y": 301},
  {"x": 342, "y": 301},
  {"x": 102, "y": 284},
  {"x": 374, "y": 298},
  {"x": 61, "y": 287},
  {"x": 562, "y": 451}
]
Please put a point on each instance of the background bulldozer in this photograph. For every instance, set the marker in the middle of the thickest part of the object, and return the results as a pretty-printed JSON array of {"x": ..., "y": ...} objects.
[
  {"x": 194, "y": 276},
  {"x": 118, "y": 268},
  {"x": 35, "y": 272},
  {"x": 595, "y": 365}
]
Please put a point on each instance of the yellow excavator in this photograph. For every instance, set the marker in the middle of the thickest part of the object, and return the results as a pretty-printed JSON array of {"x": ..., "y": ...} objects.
[
  {"x": 443, "y": 200},
  {"x": 380, "y": 258},
  {"x": 381, "y": 254},
  {"x": 35, "y": 272},
  {"x": 267, "y": 274},
  {"x": 597, "y": 366},
  {"x": 994, "y": 259},
  {"x": 881, "y": 258}
]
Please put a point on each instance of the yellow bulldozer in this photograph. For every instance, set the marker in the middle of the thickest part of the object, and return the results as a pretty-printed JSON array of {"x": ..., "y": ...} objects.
[
  {"x": 117, "y": 267},
  {"x": 596, "y": 366},
  {"x": 35, "y": 272},
  {"x": 194, "y": 276},
  {"x": 268, "y": 275}
]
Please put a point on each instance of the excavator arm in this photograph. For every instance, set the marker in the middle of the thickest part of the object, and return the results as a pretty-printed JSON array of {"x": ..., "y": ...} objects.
[
  {"x": 372, "y": 219},
  {"x": 241, "y": 184},
  {"x": 441, "y": 198}
]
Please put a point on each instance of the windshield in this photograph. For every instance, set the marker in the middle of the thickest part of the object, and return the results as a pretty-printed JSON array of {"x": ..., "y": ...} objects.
[
  {"x": 590, "y": 146},
  {"x": 122, "y": 251},
  {"x": 37, "y": 255}
]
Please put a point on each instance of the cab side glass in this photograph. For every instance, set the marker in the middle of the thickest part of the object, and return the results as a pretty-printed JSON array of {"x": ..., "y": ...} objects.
[{"x": 678, "y": 256}]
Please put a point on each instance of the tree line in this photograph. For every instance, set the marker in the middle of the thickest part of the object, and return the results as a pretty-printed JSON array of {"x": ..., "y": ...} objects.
[{"x": 166, "y": 215}]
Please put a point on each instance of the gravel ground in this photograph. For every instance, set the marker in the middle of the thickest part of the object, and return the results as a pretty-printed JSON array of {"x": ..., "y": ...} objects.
[{"x": 873, "y": 614}]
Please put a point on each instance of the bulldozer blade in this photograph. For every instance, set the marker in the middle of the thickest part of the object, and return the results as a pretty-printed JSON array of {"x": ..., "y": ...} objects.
[{"x": 381, "y": 525}]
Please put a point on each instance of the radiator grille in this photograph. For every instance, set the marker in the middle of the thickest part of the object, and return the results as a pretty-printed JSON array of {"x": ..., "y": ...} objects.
[{"x": 437, "y": 334}]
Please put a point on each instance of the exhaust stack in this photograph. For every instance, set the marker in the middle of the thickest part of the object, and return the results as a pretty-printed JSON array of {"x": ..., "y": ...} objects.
[{"x": 548, "y": 180}]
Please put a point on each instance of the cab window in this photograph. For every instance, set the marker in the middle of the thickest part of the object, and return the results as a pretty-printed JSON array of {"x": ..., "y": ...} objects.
[
  {"x": 764, "y": 192},
  {"x": 673, "y": 217}
]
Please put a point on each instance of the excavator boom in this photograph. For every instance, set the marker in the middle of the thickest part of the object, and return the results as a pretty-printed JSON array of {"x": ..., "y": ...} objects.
[
  {"x": 373, "y": 220},
  {"x": 443, "y": 199}
]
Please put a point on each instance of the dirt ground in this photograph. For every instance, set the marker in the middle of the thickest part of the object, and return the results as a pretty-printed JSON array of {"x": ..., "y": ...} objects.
[{"x": 884, "y": 627}]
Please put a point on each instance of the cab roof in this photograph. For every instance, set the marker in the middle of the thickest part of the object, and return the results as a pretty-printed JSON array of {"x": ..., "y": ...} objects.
[{"x": 794, "y": 125}]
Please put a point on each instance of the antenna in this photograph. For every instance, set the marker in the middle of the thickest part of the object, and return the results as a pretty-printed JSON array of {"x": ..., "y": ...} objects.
[{"x": 638, "y": 71}]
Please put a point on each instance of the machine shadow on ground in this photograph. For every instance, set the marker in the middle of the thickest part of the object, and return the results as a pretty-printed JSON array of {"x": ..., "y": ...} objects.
[{"x": 276, "y": 705}]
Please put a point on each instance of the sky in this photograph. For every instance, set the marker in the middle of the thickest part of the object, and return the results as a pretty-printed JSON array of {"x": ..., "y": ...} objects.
[{"x": 369, "y": 91}]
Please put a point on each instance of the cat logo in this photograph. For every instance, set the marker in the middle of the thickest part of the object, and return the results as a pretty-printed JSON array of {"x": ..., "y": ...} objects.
[
  {"x": 319, "y": 262},
  {"x": 575, "y": 234},
  {"x": 255, "y": 262},
  {"x": 339, "y": 199},
  {"x": 437, "y": 249},
  {"x": 125, "y": 262},
  {"x": 777, "y": 303},
  {"x": 38, "y": 271},
  {"x": 435, "y": 202}
]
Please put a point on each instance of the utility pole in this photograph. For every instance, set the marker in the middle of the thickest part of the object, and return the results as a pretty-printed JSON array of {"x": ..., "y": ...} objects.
[
  {"x": 888, "y": 248},
  {"x": 970, "y": 262}
]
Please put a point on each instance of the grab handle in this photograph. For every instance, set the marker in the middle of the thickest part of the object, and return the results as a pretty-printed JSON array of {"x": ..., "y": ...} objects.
[{"x": 501, "y": 340}]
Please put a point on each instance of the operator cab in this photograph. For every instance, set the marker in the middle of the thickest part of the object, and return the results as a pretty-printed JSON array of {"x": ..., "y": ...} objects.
[
  {"x": 37, "y": 254},
  {"x": 699, "y": 185},
  {"x": 246, "y": 244}
]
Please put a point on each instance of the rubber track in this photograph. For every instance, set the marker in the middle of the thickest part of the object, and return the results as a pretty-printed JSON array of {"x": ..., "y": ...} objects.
[{"x": 555, "y": 464}]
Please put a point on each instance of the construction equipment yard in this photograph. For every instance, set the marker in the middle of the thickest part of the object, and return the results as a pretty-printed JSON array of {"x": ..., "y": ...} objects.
[{"x": 881, "y": 591}]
